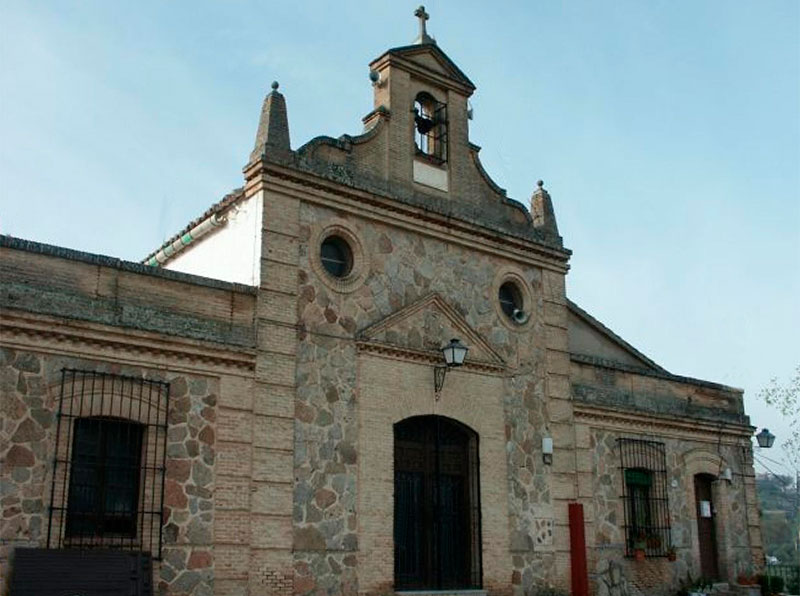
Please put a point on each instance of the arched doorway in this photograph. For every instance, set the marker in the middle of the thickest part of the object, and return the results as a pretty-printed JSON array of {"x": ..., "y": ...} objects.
[
  {"x": 436, "y": 505},
  {"x": 706, "y": 530}
]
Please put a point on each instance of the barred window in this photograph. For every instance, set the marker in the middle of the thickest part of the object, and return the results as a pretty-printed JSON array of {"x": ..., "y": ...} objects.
[
  {"x": 104, "y": 477},
  {"x": 643, "y": 467},
  {"x": 108, "y": 479},
  {"x": 640, "y": 513}
]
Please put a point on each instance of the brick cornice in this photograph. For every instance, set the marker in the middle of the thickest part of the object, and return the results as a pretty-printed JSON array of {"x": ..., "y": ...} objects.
[
  {"x": 648, "y": 424},
  {"x": 433, "y": 301},
  {"x": 394, "y": 352},
  {"x": 310, "y": 188},
  {"x": 658, "y": 374},
  {"x": 48, "y": 334}
]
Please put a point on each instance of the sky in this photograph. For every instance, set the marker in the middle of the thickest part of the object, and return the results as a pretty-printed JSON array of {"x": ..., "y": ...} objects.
[{"x": 667, "y": 132}]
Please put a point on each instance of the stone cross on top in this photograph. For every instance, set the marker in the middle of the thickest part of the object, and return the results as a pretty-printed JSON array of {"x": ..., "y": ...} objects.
[{"x": 423, "y": 33}]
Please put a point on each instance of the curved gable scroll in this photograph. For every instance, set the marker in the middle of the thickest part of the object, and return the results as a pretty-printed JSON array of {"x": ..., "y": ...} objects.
[{"x": 524, "y": 214}]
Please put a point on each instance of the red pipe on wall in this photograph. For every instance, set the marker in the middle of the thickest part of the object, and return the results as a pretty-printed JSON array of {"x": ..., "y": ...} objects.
[{"x": 577, "y": 551}]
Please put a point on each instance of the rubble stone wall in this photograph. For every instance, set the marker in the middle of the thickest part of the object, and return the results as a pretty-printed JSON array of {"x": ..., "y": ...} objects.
[
  {"x": 30, "y": 384},
  {"x": 734, "y": 506},
  {"x": 337, "y": 401}
]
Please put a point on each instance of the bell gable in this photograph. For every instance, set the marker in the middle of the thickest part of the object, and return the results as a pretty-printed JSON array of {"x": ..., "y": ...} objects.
[{"x": 427, "y": 61}]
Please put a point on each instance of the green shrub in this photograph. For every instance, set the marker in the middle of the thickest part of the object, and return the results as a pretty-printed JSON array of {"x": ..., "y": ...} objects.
[
  {"x": 770, "y": 585},
  {"x": 690, "y": 584},
  {"x": 793, "y": 586}
]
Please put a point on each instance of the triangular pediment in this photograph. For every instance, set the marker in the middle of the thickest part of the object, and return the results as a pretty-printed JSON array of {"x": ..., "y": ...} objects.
[
  {"x": 430, "y": 57},
  {"x": 428, "y": 61},
  {"x": 589, "y": 337},
  {"x": 425, "y": 326}
]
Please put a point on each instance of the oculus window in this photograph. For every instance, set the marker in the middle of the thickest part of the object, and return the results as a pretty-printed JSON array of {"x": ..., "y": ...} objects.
[
  {"x": 510, "y": 299},
  {"x": 336, "y": 256}
]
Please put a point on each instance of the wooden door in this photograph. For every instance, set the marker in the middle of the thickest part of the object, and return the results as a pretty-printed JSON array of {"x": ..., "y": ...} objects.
[
  {"x": 433, "y": 529},
  {"x": 706, "y": 531}
]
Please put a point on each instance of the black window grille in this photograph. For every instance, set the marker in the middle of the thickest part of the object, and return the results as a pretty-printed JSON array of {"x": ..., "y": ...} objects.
[
  {"x": 430, "y": 128},
  {"x": 643, "y": 467},
  {"x": 107, "y": 487}
]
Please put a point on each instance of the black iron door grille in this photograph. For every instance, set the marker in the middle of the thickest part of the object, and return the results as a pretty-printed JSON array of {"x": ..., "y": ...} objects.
[
  {"x": 437, "y": 505},
  {"x": 107, "y": 487}
]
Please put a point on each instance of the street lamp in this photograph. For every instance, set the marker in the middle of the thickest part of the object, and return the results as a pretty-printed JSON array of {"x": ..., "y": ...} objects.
[
  {"x": 765, "y": 438},
  {"x": 454, "y": 354}
]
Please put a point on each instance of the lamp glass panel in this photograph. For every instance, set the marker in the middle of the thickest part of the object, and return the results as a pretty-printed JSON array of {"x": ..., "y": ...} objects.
[
  {"x": 449, "y": 354},
  {"x": 459, "y": 353},
  {"x": 454, "y": 353}
]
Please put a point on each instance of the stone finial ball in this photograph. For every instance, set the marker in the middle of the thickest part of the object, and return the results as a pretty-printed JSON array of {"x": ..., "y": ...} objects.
[
  {"x": 540, "y": 183},
  {"x": 275, "y": 85}
]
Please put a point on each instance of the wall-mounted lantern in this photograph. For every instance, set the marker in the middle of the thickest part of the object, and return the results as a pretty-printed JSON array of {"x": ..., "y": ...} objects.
[
  {"x": 547, "y": 450},
  {"x": 765, "y": 438},
  {"x": 454, "y": 354}
]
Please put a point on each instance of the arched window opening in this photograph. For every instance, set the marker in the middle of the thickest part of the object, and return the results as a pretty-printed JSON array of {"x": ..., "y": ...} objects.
[
  {"x": 437, "y": 533},
  {"x": 430, "y": 128},
  {"x": 104, "y": 478}
]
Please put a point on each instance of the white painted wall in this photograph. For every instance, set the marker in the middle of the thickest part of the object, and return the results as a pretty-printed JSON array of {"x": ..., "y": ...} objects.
[{"x": 231, "y": 252}]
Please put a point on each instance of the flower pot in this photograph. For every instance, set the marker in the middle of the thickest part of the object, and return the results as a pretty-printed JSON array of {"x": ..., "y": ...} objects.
[
  {"x": 639, "y": 554},
  {"x": 745, "y": 580},
  {"x": 654, "y": 542},
  {"x": 672, "y": 556}
]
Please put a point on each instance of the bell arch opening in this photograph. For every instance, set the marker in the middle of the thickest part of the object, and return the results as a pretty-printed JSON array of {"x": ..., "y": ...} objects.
[
  {"x": 430, "y": 128},
  {"x": 437, "y": 527}
]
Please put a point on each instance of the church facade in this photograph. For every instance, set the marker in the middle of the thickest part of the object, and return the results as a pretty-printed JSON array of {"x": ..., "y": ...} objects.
[{"x": 359, "y": 373}]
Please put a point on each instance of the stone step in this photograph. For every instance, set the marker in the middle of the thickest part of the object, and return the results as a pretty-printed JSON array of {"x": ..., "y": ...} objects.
[
  {"x": 441, "y": 593},
  {"x": 745, "y": 591}
]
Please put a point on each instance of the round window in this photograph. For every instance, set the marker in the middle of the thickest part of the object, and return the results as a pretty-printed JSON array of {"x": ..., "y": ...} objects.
[
  {"x": 336, "y": 256},
  {"x": 510, "y": 300}
]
